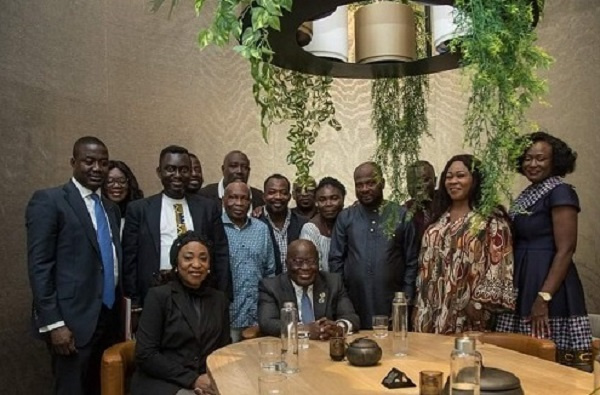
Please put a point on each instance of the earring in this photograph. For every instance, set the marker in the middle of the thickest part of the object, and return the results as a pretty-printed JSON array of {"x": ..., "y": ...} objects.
[
  {"x": 176, "y": 270},
  {"x": 208, "y": 271}
]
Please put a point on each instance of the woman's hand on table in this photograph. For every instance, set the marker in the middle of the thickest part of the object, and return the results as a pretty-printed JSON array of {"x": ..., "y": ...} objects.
[
  {"x": 540, "y": 325},
  {"x": 203, "y": 386}
]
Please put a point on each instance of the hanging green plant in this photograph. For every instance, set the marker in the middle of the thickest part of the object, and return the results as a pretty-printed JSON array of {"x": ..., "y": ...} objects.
[
  {"x": 305, "y": 103},
  {"x": 500, "y": 59},
  {"x": 399, "y": 119},
  {"x": 281, "y": 95}
]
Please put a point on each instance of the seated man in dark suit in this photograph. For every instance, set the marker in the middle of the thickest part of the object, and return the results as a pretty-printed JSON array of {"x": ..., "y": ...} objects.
[
  {"x": 236, "y": 167},
  {"x": 320, "y": 297}
]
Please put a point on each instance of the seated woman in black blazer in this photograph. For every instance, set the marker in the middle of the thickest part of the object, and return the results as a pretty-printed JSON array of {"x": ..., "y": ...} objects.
[{"x": 181, "y": 324}]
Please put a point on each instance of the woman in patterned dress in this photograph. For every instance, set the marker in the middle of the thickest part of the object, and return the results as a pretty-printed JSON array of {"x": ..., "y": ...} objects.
[
  {"x": 550, "y": 302},
  {"x": 466, "y": 261}
]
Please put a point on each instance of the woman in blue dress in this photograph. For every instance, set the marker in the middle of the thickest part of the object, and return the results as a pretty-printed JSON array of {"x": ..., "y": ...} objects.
[{"x": 550, "y": 301}]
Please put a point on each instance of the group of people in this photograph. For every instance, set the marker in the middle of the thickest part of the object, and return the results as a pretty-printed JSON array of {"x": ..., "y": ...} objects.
[{"x": 205, "y": 263}]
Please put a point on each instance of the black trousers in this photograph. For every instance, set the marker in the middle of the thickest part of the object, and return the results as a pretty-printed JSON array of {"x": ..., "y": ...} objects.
[{"x": 79, "y": 374}]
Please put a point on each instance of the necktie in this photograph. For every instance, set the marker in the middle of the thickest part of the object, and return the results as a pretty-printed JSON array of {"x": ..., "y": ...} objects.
[
  {"x": 106, "y": 252},
  {"x": 308, "y": 315},
  {"x": 180, "y": 219}
]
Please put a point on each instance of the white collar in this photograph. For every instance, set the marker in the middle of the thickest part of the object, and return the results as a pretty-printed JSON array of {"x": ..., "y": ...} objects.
[{"x": 83, "y": 191}]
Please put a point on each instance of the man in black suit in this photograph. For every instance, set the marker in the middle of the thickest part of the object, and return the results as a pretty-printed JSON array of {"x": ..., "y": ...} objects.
[
  {"x": 236, "y": 167},
  {"x": 320, "y": 297},
  {"x": 284, "y": 224},
  {"x": 153, "y": 223},
  {"x": 73, "y": 260},
  {"x": 196, "y": 177}
]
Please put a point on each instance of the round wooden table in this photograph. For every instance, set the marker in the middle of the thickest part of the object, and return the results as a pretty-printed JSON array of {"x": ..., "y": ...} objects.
[{"x": 235, "y": 369}]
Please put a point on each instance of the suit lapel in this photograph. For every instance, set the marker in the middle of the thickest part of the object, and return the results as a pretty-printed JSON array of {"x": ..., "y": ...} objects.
[
  {"x": 320, "y": 298},
  {"x": 153, "y": 217},
  {"x": 288, "y": 294},
  {"x": 115, "y": 227},
  {"x": 195, "y": 212},
  {"x": 183, "y": 302},
  {"x": 78, "y": 205}
]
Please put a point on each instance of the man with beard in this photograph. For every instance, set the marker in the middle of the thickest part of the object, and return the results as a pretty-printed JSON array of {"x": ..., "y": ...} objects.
[
  {"x": 374, "y": 264},
  {"x": 251, "y": 256},
  {"x": 196, "y": 178},
  {"x": 304, "y": 196},
  {"x": 284, "y": 225},
  {"x": 236, "y": 167},
  {"x": 153, "y": 223},
  {"x": 74, "y": 257}
]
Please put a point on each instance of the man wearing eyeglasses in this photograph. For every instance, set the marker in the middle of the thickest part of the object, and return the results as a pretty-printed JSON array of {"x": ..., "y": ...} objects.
[{"x": 322, "y": 302}]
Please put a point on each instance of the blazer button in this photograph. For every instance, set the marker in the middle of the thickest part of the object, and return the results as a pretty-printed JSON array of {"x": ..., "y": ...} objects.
[{"x": 196, "y": 359}]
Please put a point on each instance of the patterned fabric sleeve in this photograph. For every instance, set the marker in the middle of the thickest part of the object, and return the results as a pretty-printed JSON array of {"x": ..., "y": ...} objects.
[
  {"x": 311, "y": 232},
  {"x": 495, "y": 289}
]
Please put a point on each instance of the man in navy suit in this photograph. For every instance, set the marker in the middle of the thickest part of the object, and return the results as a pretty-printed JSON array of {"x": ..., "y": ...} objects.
[
  {"x": 74, "y": 255},
  {"x": 320, "y": 297},
  {"x": 153, "y": 223}
]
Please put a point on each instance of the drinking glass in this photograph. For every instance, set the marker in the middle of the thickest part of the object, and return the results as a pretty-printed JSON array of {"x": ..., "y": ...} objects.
[
  {"x": 380, "y": 325},
  {"x": 430, "y": 382},
  {"x": 303, "y": 336},
  {"x": 272, "y": 384},
  {"x": 269, "y": 354}
]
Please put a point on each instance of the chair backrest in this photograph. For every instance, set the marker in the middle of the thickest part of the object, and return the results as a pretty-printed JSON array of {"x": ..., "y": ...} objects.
[
  {"x": 118, "y": 363},
  {"x": 541, "y": 348}
]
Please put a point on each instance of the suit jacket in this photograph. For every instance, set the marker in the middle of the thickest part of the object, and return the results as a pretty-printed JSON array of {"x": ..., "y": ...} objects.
[
  {"x": 212, "y": 191},
  {"x": 173, "y": 340},
  {"x": 329, "y": 300},
  {"x": 141, "y": 243},
  {"x": 64, "y": 261},
  {"x": 293, "y": 233}
]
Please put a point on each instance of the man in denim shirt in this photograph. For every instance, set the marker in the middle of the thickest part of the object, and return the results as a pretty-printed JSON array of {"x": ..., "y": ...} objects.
[{"x": 251, "y": 256}]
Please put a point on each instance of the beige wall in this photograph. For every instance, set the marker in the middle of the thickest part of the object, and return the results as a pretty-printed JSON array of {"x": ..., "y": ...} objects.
[{"x": 110, "y": 68}]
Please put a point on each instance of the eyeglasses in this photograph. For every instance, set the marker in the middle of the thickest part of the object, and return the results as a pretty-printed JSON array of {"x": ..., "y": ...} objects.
[
  {"x": 299, "y": 263},
  {"x": 121, "y": 181}
]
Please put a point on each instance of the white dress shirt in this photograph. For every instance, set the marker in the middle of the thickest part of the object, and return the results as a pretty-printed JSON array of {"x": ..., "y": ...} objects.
[{"x": 168, "y": 227}]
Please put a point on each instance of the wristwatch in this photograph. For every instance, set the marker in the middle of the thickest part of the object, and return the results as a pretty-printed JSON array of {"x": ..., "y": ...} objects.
[{"x": 546, "y": 296}]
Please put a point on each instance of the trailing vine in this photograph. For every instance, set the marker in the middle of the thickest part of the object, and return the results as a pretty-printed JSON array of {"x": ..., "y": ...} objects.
[
  {"x": 399, "y": 118},
  {"x": 305, "y": 102},
  {"x": 281, "y": 95},
  {"x": 500, "y": 59}
]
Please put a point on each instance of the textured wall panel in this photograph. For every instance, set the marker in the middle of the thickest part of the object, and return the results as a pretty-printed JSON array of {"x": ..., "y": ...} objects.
[{"x": 137, "y": 80}]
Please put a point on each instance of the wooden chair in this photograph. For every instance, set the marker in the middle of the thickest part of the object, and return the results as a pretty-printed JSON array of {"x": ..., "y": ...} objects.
[
  {"x": 118, "y": 363},
  {"x": 541, "y": 348}
]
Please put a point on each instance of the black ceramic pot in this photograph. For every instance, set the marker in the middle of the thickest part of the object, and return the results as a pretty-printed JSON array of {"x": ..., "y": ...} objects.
[
  {"x": 494, "y": 382},
  {"x": 363, "y": 352}
]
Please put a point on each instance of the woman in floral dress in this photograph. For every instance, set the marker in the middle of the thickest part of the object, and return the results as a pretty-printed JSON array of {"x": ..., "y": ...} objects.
[{"x": 466, "y": 261}]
